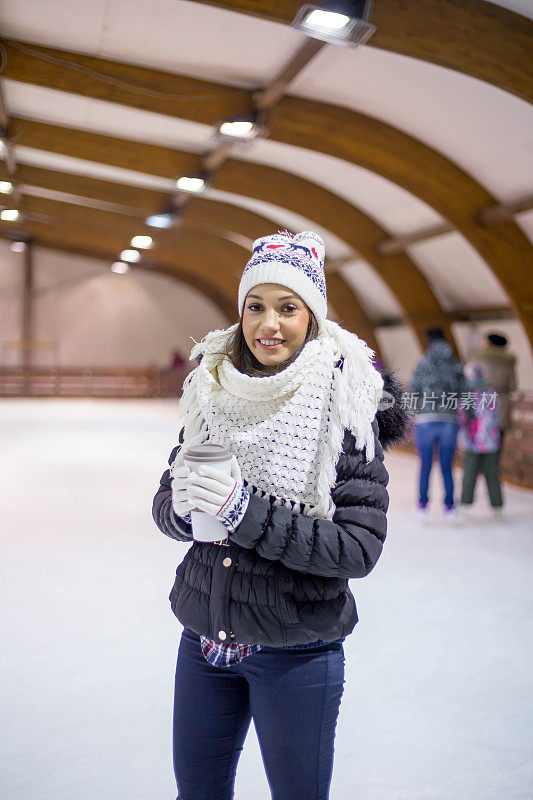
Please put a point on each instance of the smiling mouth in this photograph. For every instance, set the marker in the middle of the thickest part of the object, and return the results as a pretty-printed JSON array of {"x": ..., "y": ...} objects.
[{"x": 270, "y": 344}]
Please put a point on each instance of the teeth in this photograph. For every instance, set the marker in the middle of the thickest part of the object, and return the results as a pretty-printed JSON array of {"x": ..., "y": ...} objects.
[{"x": 270, "y": 341}]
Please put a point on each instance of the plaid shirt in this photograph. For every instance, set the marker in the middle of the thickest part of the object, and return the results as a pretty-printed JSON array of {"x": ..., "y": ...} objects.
[{"x": 224, "y": 655}]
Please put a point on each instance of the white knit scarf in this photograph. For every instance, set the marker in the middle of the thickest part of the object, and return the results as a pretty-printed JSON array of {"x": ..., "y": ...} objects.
[{"x": 286, "y": 430}]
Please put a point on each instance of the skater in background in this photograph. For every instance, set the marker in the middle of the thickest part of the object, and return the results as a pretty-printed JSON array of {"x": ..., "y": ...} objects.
[
  {"x": 436, "y": 386},
  {"x": 479, "y": 438},
  {"x": 500, "y": 371},
  {"x": 294, "y": 397}
]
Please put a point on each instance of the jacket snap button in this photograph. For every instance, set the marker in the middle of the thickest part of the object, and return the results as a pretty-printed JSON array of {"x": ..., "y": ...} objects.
[
  {"x": 227, "y": 562},
  {"x": 222, "y": 635}
]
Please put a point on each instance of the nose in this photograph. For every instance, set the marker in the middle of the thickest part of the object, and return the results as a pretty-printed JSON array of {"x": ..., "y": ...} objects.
[{"x": 270, "y": 321}]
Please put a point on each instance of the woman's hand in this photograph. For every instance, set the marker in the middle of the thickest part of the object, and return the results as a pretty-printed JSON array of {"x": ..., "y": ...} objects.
[
  {"x": 217, "y": 493},
  {"x": 180, "y": 501}
]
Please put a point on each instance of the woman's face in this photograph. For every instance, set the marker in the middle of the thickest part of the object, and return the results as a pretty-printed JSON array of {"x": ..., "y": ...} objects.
[{"x": 274, "y": 323}]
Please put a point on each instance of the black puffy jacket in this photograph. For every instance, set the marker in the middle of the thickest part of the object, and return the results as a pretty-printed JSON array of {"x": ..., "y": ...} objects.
[{"x": 282, "y": 577}]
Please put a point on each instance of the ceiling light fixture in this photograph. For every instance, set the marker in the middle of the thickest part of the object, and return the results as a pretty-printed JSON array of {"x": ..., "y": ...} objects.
[
  {"x": 130, "y": 255},
  {"x": 143, "y": 242},
  {"x": 9, "y": 214},
  {"x": 194, "y": 184},
  {"x": 241, "y": 126},
  {"x": 344, "y": 22},
  {"x": 166, "y": 219},
  {"x": 6, "y": 187},
  {"x": 119, "y": 267},
  {"x": 17, "y": 247}
]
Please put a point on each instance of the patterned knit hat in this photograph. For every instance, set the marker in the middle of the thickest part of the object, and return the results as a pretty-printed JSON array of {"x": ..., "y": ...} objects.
[{"x": 296, "y": 262}]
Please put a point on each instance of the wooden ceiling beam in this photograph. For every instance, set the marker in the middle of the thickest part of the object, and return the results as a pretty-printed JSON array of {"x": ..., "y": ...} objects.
[
  {"x": 204, "y": 214},
  {"x": 370, "y": 143},
  {"x": 265, "y": 183},
  {"x": 335, "y": 131},
  {"x": 211, "y": 259},
  {"x": 223, "y": 260},
  {"x": 127, "y": 84},
  {"x": 348, "y": 223},
  {"x": 398, "y": 244},
  {"x": 474, "y": 37},
  {"x": 272, "y": 93},
  {"x": 140, "y": 198},
  {"x": 504, "y": 211}
]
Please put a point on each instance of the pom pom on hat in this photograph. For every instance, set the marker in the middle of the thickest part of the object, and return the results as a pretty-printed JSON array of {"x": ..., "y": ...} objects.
[{"x": 295, "y": 261}]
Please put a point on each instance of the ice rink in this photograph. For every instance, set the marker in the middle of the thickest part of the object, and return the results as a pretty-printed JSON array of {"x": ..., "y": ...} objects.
[{"x": 437, "y": 702}]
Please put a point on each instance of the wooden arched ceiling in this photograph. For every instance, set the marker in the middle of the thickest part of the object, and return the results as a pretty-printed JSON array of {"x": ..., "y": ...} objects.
[
  {"x": 347, "y": 223},
  {"x": 264, "y": 183},
  {"x": 52, "y": 222},
  {"x": 104, "y": 248},
  {"x": 325, "y": 128},
  {"x": 425, "y": 173},
  {"x": 204, "y": 215},
  {"x": 476, "y": 37}
]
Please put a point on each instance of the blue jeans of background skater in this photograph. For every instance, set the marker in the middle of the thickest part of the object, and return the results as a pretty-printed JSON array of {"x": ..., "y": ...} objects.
[
  {"x": 427, "y": 435},
  {"x": 293, "y": 696}
]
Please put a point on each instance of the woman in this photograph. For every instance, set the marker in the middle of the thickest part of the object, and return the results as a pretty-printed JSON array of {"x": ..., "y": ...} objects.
[{"x": 294, "y": 397}]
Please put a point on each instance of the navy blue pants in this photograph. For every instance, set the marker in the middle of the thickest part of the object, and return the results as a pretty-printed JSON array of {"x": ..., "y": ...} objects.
[
  {"x": 294, "y": 698},
  {"x": 428, "y": 435}
]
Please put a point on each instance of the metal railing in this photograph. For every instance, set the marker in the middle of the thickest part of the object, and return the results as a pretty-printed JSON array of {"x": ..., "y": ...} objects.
[{"x": 91, "y": 382}]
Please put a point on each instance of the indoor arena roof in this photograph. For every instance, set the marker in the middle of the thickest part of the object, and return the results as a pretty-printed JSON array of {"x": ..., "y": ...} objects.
[{"x": 411, "y": 154}]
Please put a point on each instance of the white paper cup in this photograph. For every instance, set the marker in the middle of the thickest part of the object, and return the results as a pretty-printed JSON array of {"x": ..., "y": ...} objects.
[{"x": 206, "y": 527}]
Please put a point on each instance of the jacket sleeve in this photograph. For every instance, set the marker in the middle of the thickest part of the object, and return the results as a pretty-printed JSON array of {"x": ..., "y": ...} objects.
[
  {"x": 164, "y": 516},
  {"x": 349, "y": 545}
]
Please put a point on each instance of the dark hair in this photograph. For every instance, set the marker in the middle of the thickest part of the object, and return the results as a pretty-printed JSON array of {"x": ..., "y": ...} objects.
[
  {"x": 497, "y": 339},
  {"x": 434, "y": 334},
  {"x": 244, "y": 360}
]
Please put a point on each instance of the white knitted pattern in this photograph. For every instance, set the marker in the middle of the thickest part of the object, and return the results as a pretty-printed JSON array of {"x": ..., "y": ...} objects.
[{"x": 286, "y": 430}]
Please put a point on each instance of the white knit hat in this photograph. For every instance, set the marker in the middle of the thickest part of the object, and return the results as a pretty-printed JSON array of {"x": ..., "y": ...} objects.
[{"x": 296, "y": 262}]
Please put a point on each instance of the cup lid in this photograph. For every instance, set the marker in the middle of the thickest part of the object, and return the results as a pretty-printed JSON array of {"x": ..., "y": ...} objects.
[{"x": 207, "y": 452}]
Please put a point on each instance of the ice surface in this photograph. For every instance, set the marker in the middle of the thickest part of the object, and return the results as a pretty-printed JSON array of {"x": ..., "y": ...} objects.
[{"x": 437, "y": 702}]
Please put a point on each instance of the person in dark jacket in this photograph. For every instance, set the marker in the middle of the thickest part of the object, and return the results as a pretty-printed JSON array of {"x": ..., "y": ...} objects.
[
  {"x": 296, "y": 399},
  {"x": 437, "y": 387}
]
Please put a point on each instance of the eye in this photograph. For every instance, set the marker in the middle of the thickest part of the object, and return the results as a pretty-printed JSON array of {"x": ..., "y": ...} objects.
[
  {"x": 290, "y": 308},
  {"x": 253, "y": 306}
]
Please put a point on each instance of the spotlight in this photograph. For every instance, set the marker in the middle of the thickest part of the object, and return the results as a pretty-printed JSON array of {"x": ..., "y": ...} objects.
[
  {"x": 241, "y": 126},
  {"x": 144, "y": 242},
  {"x": 192, "y": 183},
  {"x": 130, "y": 255},
  {"x": 6, "y": 187},
  {"x": 9, "y": 214},
  {"x": 344, "y": 22},
  {"x": 18, "y": 247},
  {"x": 166, "y": 219},
  {"x": 119, "y": 267}
]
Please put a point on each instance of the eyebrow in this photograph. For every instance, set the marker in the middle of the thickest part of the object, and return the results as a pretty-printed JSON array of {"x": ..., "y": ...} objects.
[{"x": 287, "y": 297}]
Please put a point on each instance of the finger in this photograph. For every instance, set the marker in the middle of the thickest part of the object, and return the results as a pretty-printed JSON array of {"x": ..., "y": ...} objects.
[
  {"x": 217, "y": 474},
  {"x": 181, "y": 472},
  {"x": 199, "y": 493},
  {"x": 211, "y": 484},
  {"x": 209, "y": 508}
]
